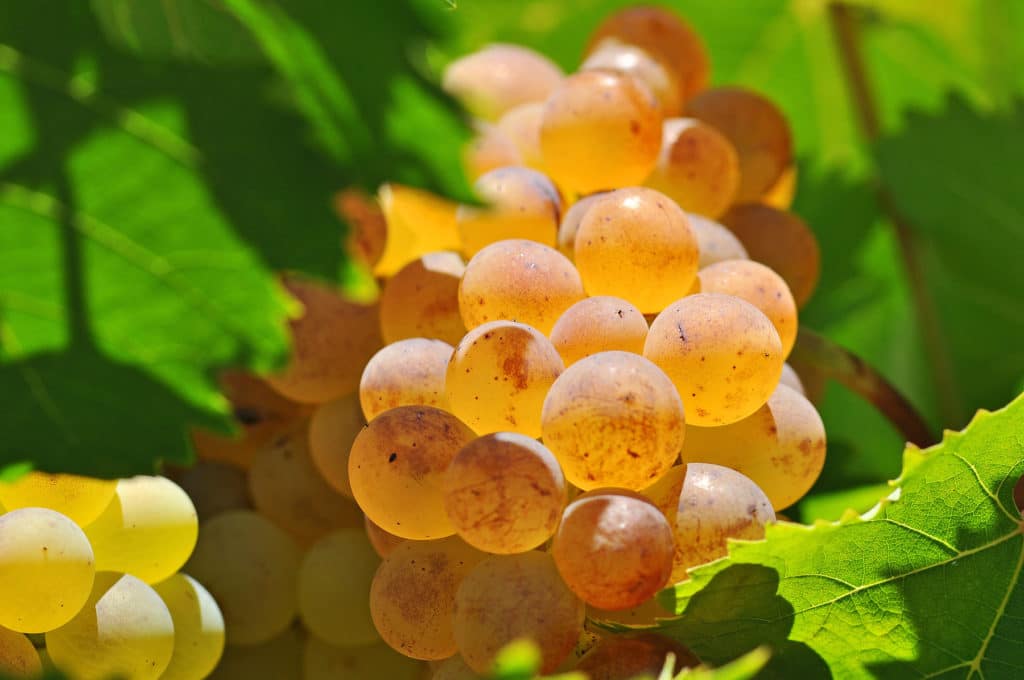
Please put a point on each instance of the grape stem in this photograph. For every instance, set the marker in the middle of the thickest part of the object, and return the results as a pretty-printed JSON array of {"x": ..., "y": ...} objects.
[{"x": 841, "y": 365}]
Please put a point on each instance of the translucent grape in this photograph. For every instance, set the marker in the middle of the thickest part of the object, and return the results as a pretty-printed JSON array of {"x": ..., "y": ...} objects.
[
  {"x": 287, "y": 489},
  {"x": 419, "y": 222},
  {"x": 706, "y": 505},
  {"x": 213, "y": 487},
  {"x": 507, "y": 597},
  {"x": 405, "y": 373},
  {"x": 613, "y": 419},
  {"x": 570, "y": 224},
  {"x": 279, "y": 658},
  {"x": 489, "y": 149},
  {"x": 251, "y": 568},
  {"x": 723, "y": 354},
  {"x": 790, "y": 379},
  {"x": 321, "y": 661},
  {"x": 148, "y": 530},
  {"x": 499, "y": 77},
  {"x": 780, "y": 240},
  {"x": 518, "y": 280},
  {"x": 367, "y": 228},
  {"x": 334, "y": 579},
  {"x": 613, "y": 551},
  {"x": 613, "y": 55},
  {"x": 622, "y": 657},
  {"x": 18, "y": 656},
  {"x": 413, "y": 596},
  {"x": 698, "y": 167},
  {"x": 521, "y": 126},
  {"x": 499, "y": 375},
  {"x": 636, "y": 243},
  {"x": 124, "y": 630},
  {"x": 504, "y": 493},
  {"x": 755, "y": 127},
  {"x": 198, "y": 628},
  {"x": 332, "y": 340},
  {"x": 598, "y": 324},
  {"x": 607, "y": 106},
  {"x": 663, "y": 34},
  {"x": 715, "y": 242},
  {"x": 520, "y": 203},
  {"x": 332, "y": 430},
  {"x": 781, "y": 195},
  {"x": 781, "y": 447},
  {"x": 80, "y": 499},
  {"x": 422, "y": 300},
  {"x": 397, "y": 469},
  {"x": 383, "y": 543},
  {"x": 761, "y": 287}
]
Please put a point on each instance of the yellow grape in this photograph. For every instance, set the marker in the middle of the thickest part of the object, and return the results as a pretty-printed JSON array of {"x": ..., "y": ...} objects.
[
  {"x": 624, "y": 657},
  {"x": 706, "y": 505},
  {"x": 723, "y": 354},
  {"x": 757, "y": 129},
  {"x": 570, "y": 224},
  {"x": 367, "y": 228},
  {"x": 520, "y": 203},
  {"x": 321, "y": 661},
  {"x": 46, "y": 568},
  {"x": 761, "y": 287},
  {"x": 279, "y": 658},
  {"x": 419, "y": 222},
  {"x": 412, "y": 597},
  {"x": 698, "y": 167},
  {"x": 490, "y": 148},
  {"x": 198, "y": 628},
  {"x": 332, "y": 430},
  {"x": 405, "y": 373},
  {"x": 600, "y": 130},
  {"x": 614, "y": 55},
  {"x": 251, "y": 569},
  {"x": 518, "y": 280},
  {"x": 780, "y": 240},
  {"x": 508, "y": 597},
  {"x": 521, "y": 126},
  {"x": 598, "y": 324},
  {"x": 123, "y": 630},
  {"x": 80, "y": 499},
  {"x": 781, "y": 447},
  {"x": 383, "y": 543},
  {"x": 664, "y": 35},
  {"x": 334, "y": 579},
  {"x": 715, "y": 242},
  {"x": 499, "y": 77},
  {"x": 504, "y": 493},
  {"x": 499, "y": 375},
  {"x": 637, "y": 243},
  {"x": 148, "y": 530},
  {"x": 455, "y": 668},
  {"x": 287, "y": 489},
  {"x": 397, "y": 469},
  {"x": 18, "y": 656},
  {"x": 422, "y": 300},
  {"x": 332, "y": 340},
  {"x": 781, "y": 195},
  {"x": 791, "y": 379},
  {"x": 614, "y": 551},
  {"x": 614, "y": 419},
  {"x": 213, "y": 487}
]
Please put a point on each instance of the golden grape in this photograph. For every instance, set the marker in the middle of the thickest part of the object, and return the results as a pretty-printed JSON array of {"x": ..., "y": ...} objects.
[
  {"x": 624, "y": 657},
  {"x": 80, "y": 499},
  {"x": 598, "y": 324},
  {"x": 405, "y": 373},
  {"x": 322, "y": 661},
  {"x": 636, "y": 243},
  {"x": 332, "y": 430},
  {"x": 279, "y": 658},
  {"x": 791, "y": 379},
  {"x": 723, "y": 354},
  {"x": 715, "y": 242},
  {"x": 520, "y": 203},
  {"x": 419, "y": 222},
  {"x": 499, "y": 375},
  {"x": 570, "y": 224},
  {"x": 198, "y": 628},
  {"x": 490, "y": 148},
  {"x": 213, "y": 487},
  {"x": 698, "y": 167},
  {"x": 422, "y": 300},
  {"x": 781, "y": 195},
  {"x": 383, "y": 543},
  {"x": 614, "y": 55},
  {"x": 521, "y": 126},
  {"x": 334, "y": 579},
  {"x": 18, "y": 656},
  {"x": 499, "y": 77}
]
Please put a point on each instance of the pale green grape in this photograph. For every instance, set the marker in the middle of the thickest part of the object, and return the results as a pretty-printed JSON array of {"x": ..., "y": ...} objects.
[
  {"x": 499, "y": 77},
  {"x": 18, "y": 656},
  {"x": 46, "y": 568},
  {"x": 322, "y": 661},
  {"x": 405, "y": 373},
  {"x": 598, "y": 324},
  {"x": 422, "y": 300},
  {"x": 198, "y": 628},
  {"x": 80, "y": 499},
  {"x": 334, "y": 580}
]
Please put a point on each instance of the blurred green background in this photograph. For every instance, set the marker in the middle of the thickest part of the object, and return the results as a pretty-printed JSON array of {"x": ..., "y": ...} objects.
[{"x": 160, "y": 161}]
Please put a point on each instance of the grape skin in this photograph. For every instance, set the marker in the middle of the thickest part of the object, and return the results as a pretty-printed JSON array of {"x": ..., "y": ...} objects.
[
  {"x": 506, "y": 597},
  {"x": 780, "y": 447},
  {"x": 624, "y": 657},
  {"x": 570, "y": 224},
  {"x": 499, "y": 77},
  {"x": 613, "y": 551},
  {"x": 18, "y": 657},
  {"x": 198, "y": 628},
  {"x": 637, "y": 243},
  {"x": 614, "y": 55},
  {"x": 521, "y": 126},
  {"x": 723, "y": 354},
  {"x": 397, "y": 468},
  {"x": 715, "y": 242},
  {"x": 698, "y": 167},
  {"x": 80, "y": 499},
  {"x": 518, "y": 280},
  {"x": 489, "y": 149},
  {"x": 499, "y": 375},
  {"x": 790, "y": 379},
  {"x": 322, "y": 661},
  {"x": 598, "y": 324},
  {"x": 504, "y": 493},
  {"x": 405, "y": 373},
  {"x": 383, "y": 543},
  {"x": 613, "y": 419},
  {"x": 332, "y": 429},
  {"x": 422, "y": 300}
]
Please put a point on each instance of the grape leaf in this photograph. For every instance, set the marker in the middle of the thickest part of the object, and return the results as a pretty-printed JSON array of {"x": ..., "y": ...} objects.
[{"x": 927, "y": 584}]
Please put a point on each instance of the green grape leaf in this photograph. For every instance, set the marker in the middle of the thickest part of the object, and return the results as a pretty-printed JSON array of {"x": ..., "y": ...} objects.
[{"x": 926, "y": 584}]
